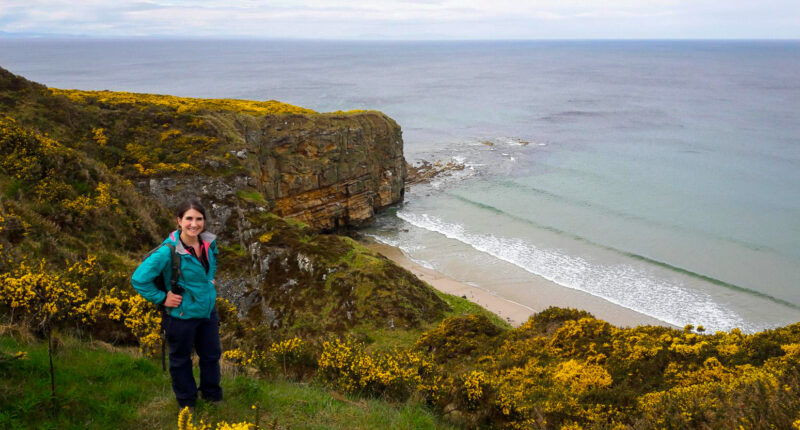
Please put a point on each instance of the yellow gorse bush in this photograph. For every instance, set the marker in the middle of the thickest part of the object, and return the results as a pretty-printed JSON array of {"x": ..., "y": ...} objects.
[
  {"x": 580, "y": 377},
  {"x": 42, "y": 295},
  {"x": 180, "y": 104},
  {"x": 138, "y": 315},
  {"x": 349, "y": 367},
  {"x": 99, "y": 136},
  {"x": 556, "y": 371},
  {"x": 56, "y": 175},
  {"x": 22, "y": 152},
  {"x": 474, "y": 386},
  {"x": 185, "y": 423},
  {"x": 240, "y": 359},
  {"x": 46, "y": 296},
  {"x": 287, "y": 348},
  {"x": 694, "y": 402},
  {"x": 103, "y": 199},
  {"x": 289, "y": 356}
]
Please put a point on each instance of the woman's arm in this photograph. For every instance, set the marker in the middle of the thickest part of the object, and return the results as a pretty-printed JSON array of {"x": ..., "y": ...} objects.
[{"x": 148, "y": 270}]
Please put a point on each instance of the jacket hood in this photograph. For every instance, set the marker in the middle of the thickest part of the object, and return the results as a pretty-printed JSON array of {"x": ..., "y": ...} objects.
[{"x": 173, "y": 238}]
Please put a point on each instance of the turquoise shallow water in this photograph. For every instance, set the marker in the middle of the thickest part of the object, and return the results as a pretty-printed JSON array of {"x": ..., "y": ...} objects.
[{"x": 661, "y": 176}]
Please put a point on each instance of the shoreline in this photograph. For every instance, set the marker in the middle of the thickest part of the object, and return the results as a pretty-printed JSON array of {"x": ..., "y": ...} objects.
[{"x": 515, "y": 303}]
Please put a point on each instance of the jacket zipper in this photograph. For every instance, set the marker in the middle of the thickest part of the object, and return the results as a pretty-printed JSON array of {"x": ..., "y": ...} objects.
[{"x": 196, "y": 261}]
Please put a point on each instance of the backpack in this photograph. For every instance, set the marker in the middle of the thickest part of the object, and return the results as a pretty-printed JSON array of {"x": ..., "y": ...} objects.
[
  {"x": 162, "y": 285},
  {"x": 176, "y": 271}
]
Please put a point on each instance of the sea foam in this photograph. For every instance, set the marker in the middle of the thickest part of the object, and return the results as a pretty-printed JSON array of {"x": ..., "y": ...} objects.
[{"x": 624, "y": 284}]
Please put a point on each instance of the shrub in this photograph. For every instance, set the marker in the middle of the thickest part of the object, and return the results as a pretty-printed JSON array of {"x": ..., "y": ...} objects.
[
  {"x": 459, "y": 336},
  {"x": 347, "y": 366}
]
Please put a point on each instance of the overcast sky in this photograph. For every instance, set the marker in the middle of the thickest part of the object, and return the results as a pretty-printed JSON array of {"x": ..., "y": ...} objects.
[{"x": 407, "y": 19}]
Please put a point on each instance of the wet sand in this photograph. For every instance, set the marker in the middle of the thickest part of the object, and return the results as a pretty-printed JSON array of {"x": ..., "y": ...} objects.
[{"x": 516, "y": 302}]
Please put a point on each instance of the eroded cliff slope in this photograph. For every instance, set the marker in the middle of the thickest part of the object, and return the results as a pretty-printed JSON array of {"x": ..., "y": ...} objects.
[{"x": 98, "y": 173}]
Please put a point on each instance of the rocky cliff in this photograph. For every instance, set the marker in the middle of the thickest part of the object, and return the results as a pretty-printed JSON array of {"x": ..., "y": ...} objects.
[
  {"x": 328, "y": 171},
  {"x": 97, "y": 172}
]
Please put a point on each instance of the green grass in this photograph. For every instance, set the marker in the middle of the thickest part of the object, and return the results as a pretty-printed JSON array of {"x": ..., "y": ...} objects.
[
  {"x": 234, "y": 249},
  {"x": 99, "y": 387},
  {"x": 386, "y": 339},
  {"x": 251, "y": 196},
  {"x": 11, "y": 187},
  {"x": 462, "y": 306},
  {"x": 296, "y": 223}
]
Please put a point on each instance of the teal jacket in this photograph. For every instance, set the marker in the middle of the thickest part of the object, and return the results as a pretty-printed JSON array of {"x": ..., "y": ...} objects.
[{"x": 200, "y": 294}]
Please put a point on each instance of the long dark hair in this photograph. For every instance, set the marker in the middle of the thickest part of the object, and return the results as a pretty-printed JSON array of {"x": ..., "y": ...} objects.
[{"x": 190, "y": 204}]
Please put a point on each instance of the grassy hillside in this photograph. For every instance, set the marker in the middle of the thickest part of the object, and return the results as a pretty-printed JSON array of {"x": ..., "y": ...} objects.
[{"x": 104, "y": 387}]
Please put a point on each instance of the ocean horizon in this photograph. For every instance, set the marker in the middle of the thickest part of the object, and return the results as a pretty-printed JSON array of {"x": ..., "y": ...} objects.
[{"x": 662, "y": 176}]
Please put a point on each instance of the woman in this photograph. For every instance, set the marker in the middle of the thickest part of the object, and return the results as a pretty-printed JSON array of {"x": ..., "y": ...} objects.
[{"x": 191, "y": 320}]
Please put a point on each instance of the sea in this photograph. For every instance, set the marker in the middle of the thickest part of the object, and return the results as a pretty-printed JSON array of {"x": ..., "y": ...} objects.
[{"x": 661, "y": 176}]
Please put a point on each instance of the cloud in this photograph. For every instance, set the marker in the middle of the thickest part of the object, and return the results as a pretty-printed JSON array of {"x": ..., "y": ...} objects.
[{"x": 350, "y": 18}]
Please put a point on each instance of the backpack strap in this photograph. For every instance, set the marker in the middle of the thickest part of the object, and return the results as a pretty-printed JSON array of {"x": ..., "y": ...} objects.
[{"x": 176, "y": 270}]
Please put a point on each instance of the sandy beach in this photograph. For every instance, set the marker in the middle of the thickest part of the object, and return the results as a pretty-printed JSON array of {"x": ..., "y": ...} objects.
[{"x": 516, "y": 302}]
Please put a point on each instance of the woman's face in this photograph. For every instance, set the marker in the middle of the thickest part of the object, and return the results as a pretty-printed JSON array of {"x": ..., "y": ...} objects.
[{"x": 191, "y": 223}]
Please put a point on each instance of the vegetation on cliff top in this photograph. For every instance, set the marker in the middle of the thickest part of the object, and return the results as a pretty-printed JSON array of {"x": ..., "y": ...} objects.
[
  {"x": 179, "y": 104},
  {"x": 58, "y": 204},
  {"x": 145, "y": 135}
]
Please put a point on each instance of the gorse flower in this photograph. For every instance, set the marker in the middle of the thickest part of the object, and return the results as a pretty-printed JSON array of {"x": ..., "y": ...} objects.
[
  {"x": 474, "y": 384},
  {"x": 179, "y": 104},
  {"x": 347, "y": 366},
  {"x": 185, "y": 423},
  {"x": 99, "y": 136},
  {"x": 43, "y": 295},
  {"x": 580, "y": 377},
  {"x": 287, "y": 347}
]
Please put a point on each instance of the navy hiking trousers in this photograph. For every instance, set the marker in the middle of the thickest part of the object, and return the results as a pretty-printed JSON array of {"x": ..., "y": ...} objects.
[{"x": 202, "y": 335}]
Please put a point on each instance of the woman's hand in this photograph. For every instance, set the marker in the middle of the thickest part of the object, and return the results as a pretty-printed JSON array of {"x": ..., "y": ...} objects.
[{"x": 173, "y": 300}]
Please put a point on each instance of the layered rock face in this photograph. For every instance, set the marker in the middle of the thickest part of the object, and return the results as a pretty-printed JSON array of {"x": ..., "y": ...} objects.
[
  {"x": 326, "y": 170},
  {"x": 329, "y": 171}
]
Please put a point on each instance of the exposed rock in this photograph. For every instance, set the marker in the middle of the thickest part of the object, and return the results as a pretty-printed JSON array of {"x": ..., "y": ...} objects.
[
  {"x": 331, "y": 171},
  {"x": 328, "y": 171},
  {"x": 425, "y": 171},
  {"x": 217, "y": 194},
  {"x": 314, "y": 283}
]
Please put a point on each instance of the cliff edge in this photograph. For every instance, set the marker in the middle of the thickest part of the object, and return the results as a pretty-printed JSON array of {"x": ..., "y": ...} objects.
[{"x": 328, "y": 170}]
